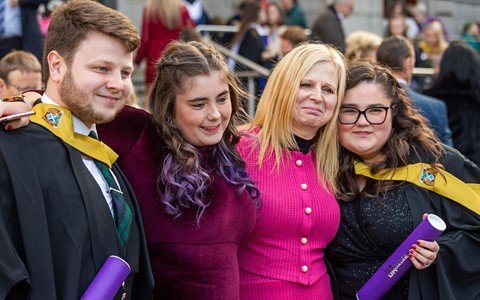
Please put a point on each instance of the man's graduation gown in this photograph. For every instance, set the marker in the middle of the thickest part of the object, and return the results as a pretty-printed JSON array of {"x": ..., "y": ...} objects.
[{"x": 56, "y": 229}]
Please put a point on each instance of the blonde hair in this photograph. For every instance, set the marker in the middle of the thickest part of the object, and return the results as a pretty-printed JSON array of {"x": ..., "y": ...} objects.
[
  {"x": 437, "y": 28},
  {"x": 166, "y": 11},
  {"x": 274, "y": 112},
  {"x": 360, "y": 44}
]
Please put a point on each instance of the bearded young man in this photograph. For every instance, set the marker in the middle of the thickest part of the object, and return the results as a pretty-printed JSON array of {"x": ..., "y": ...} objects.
[{"x": 61, "y": 216}]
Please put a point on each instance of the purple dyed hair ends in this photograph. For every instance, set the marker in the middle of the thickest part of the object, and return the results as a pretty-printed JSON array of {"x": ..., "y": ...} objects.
[{"x": 184, "y": 177}]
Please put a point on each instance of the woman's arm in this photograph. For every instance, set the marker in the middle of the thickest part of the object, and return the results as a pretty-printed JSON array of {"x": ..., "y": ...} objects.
[{"x": 8, "y": 108}]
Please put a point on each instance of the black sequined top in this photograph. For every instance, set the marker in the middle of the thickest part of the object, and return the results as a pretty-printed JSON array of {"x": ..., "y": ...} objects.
[{"x": 370, "y": 231}]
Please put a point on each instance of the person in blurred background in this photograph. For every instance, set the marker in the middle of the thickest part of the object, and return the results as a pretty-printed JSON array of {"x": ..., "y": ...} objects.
[
  {"x": 295, "y": 14},
  {"x": 162, "y": 22},
  {"x": 396, "y": 12},
  {"x": 397, "y": 54},
  {"x": 19, "y": 71},
  {"x": 471, "y": 35},
  {"x": 19, "y": 28},
  {"x": 196, "y": 11},
  {"x": 432, "y": 45},
  {"x": 45, "y": 14},
  {"x": 458, "y": 85},
  {"x": 419, "y": 12},
  {"x": 396, "y": 27},
  {"x": 291, "y": 37},
  {"x": 362, "y": 45},
  {"x": 328, "y": 27},
  {"x": 248, "y": 42},
  {"x": 274, "y": 26}
]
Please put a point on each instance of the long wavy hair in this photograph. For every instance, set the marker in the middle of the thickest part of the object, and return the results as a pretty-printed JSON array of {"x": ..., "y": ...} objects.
[
  {"x": 274, "y": 111},
  {"x": 409, "y": 136},
  {"x": 184, "y": 179},
  {"x": 250, "y": 15}
]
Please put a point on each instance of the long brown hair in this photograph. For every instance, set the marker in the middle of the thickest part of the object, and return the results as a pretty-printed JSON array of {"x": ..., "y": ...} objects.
[
  {"x": 251, "y": 12},
  {"x": 410, "y": 135},
  {"x": 184, "y": 180}
]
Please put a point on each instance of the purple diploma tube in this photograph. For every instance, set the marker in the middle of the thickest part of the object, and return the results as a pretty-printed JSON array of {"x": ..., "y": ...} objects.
[
  {"x": 108, "y": 280},
  {"x": 398, "y": 263}
]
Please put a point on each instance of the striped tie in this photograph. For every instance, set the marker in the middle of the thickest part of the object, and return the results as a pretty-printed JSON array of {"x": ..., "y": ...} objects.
[
  {"x": 122, "y": 213},
  {"x": 2, "y": 17}
]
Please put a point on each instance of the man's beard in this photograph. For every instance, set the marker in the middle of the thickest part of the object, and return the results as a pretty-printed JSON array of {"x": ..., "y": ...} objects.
[{"x": 74, "y": 99}]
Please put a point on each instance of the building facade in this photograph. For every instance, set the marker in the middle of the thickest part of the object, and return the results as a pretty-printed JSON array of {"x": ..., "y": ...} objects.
[{"x": 367, "y": 15}]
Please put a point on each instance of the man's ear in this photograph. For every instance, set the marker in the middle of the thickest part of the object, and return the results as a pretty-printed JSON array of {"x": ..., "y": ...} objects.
[
  {"x": 3, "y": 87},
  {"x": 408, "y": 64},
  {"x": 56, "y": 65}
]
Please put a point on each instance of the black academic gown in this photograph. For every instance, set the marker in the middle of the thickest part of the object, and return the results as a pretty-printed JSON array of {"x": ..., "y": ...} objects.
[
  {"x": 56, "y": 229},
  {"x": 456, "y": 272}
]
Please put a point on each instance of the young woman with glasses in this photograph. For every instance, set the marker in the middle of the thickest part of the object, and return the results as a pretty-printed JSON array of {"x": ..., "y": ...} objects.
[
  {"x": 380, "y": 129},
  {"x": 375, "y": 115}
]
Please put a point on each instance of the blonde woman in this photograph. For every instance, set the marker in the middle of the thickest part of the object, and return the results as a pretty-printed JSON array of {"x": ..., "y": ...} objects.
[
  {"x": 163, "y": 21},
  {"x": 290, "y": 151},
  {"x": 362, "y": 45},
  {"x": 433, "y": 44}
]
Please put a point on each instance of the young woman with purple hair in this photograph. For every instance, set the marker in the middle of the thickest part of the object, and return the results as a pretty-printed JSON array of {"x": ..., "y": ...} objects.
[{"x": 197, "y": 203}]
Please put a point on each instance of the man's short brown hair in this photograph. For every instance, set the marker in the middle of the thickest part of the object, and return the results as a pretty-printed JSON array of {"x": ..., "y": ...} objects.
[
  {"x": 295, "y": 35},
  {"x": 19, "y": 60},
  {"x": 72, "y": 22}
]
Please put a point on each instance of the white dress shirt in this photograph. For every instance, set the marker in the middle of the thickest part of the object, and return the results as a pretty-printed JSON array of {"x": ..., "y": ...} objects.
[{"x": 80, "y": 128}]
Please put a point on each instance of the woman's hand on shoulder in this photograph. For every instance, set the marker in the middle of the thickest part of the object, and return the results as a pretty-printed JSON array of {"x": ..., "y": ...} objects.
[
  {"x": 12, "y": 108},
  {"x": 8, "y": 108}
]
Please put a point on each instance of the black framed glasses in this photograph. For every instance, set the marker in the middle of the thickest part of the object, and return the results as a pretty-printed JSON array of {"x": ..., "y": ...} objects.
[{"x": 374, "y": 115}]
